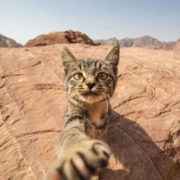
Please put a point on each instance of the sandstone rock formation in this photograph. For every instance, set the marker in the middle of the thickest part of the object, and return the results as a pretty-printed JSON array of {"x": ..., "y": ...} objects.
[
  {"x": 144, "y": 131},
  {"x": 61, "y": 37},
  {"x": 109, "y": 42},
  {"x": 144, "y": 41},
  {"x": 7, "y": 42},
  {"x": 177, "y": 45}
]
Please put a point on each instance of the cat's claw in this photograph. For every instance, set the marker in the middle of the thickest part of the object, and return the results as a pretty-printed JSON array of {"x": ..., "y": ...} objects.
[
  {"x": 81, "y": 167},
  {"x": 81, "y": 164}
]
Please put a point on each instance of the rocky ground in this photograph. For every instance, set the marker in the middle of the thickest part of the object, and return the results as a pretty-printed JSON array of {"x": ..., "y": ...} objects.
[{"x": 144, "y": 132}]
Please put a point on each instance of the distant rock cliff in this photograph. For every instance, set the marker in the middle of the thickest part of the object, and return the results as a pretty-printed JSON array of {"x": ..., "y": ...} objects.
[
  {"x": 7, "y": 42},
  {"x": 144, "y": 41},
  {"x": 108, "y": 42},
  {"x": 61, "y": 37}
]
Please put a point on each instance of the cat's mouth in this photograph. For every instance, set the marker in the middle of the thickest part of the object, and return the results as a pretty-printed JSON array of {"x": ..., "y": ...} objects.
[
  {"x": 90, "y": 97},
  {"x": 90, "y": 94}
]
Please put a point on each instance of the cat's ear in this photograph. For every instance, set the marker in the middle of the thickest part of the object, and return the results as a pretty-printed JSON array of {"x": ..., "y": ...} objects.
[
  {"x": 112, "y": 58},
  {"x": 67, "y": 58}
]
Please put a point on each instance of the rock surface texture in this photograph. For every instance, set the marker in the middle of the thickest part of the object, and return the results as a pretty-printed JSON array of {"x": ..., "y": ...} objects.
[
  {"x": 144, "y": 131},
  {"x": 7, "y": 42},
  {"x": 61, "y": 37},
  {"x": 144, "y": 41}
]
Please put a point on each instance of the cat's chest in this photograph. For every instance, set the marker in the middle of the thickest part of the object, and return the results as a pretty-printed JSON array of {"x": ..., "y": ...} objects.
[
  {"x": 97, "y": 125},
  {"x": 96, "y": 118},
  {"x": 97, "y": 113}
]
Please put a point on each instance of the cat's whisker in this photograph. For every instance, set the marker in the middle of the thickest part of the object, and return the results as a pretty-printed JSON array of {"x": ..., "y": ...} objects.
[
  {"x": 112, "y": 100},
  {"x": 108, "y": 96},
  {"x": 106, "y": 101},
  {"x": 79, "y": 98},
  {"x": 81, "y": 101},
  {"x": 101, "y": 97}
]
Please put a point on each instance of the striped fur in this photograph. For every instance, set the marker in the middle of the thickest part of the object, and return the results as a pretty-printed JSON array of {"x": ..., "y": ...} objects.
[{"x": 90, "y": 83}]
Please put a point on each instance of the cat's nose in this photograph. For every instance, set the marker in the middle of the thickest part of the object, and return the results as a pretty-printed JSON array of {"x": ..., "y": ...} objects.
[{"x": 90, "y": 85}]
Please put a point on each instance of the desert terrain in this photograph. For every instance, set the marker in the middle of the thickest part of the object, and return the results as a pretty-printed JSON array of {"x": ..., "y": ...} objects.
[{"x": 144, "y": 131}]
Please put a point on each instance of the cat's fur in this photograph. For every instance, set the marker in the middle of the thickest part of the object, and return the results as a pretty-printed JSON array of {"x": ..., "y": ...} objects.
[{"x": 81, "y": 146}]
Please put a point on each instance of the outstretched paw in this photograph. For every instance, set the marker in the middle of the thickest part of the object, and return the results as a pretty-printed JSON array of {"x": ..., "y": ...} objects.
[{"x": 80, "y": 162}]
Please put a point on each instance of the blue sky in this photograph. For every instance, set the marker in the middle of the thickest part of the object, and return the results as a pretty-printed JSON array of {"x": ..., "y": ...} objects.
[{"x": 23, "y": 20}]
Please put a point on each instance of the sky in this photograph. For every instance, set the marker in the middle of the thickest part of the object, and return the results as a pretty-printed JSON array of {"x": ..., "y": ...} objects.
[{"x": 23, "y": 20}]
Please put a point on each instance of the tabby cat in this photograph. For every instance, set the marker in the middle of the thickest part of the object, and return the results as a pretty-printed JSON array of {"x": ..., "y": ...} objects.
[{"x": 82, "y": 147}]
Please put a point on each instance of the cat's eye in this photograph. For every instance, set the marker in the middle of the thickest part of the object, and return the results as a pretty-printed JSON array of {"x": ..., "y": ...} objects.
[
  {"x": 78, "y": 76},
  {"x": 102, "y": 76}
]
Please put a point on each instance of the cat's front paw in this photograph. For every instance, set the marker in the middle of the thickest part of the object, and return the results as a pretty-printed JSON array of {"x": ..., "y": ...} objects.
[{"x": 80, "y": 162}]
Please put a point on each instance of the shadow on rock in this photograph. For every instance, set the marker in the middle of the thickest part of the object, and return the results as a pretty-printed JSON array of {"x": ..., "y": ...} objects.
[{"x": 135, "y": 155}]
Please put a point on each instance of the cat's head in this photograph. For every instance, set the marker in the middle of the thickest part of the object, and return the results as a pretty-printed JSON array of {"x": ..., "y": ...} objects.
[{"x": 90, "y": 80}]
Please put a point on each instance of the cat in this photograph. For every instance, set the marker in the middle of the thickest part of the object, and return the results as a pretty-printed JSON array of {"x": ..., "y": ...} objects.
[{"x": 82, "y": 148}]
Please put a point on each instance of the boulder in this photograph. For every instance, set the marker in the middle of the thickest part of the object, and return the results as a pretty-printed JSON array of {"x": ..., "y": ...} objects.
[
  {"x": 144, "y": 130},
  {"x": 61, "y": 37}
]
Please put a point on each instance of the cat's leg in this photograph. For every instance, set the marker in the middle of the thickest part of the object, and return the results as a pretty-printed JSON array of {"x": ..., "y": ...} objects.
[{"x": 80, "y": 161}]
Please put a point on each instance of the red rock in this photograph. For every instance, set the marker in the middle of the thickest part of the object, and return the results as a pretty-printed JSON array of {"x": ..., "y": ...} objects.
[
  {"x": 144, "y": 132},
  {"x": 61, "y": 37}
]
